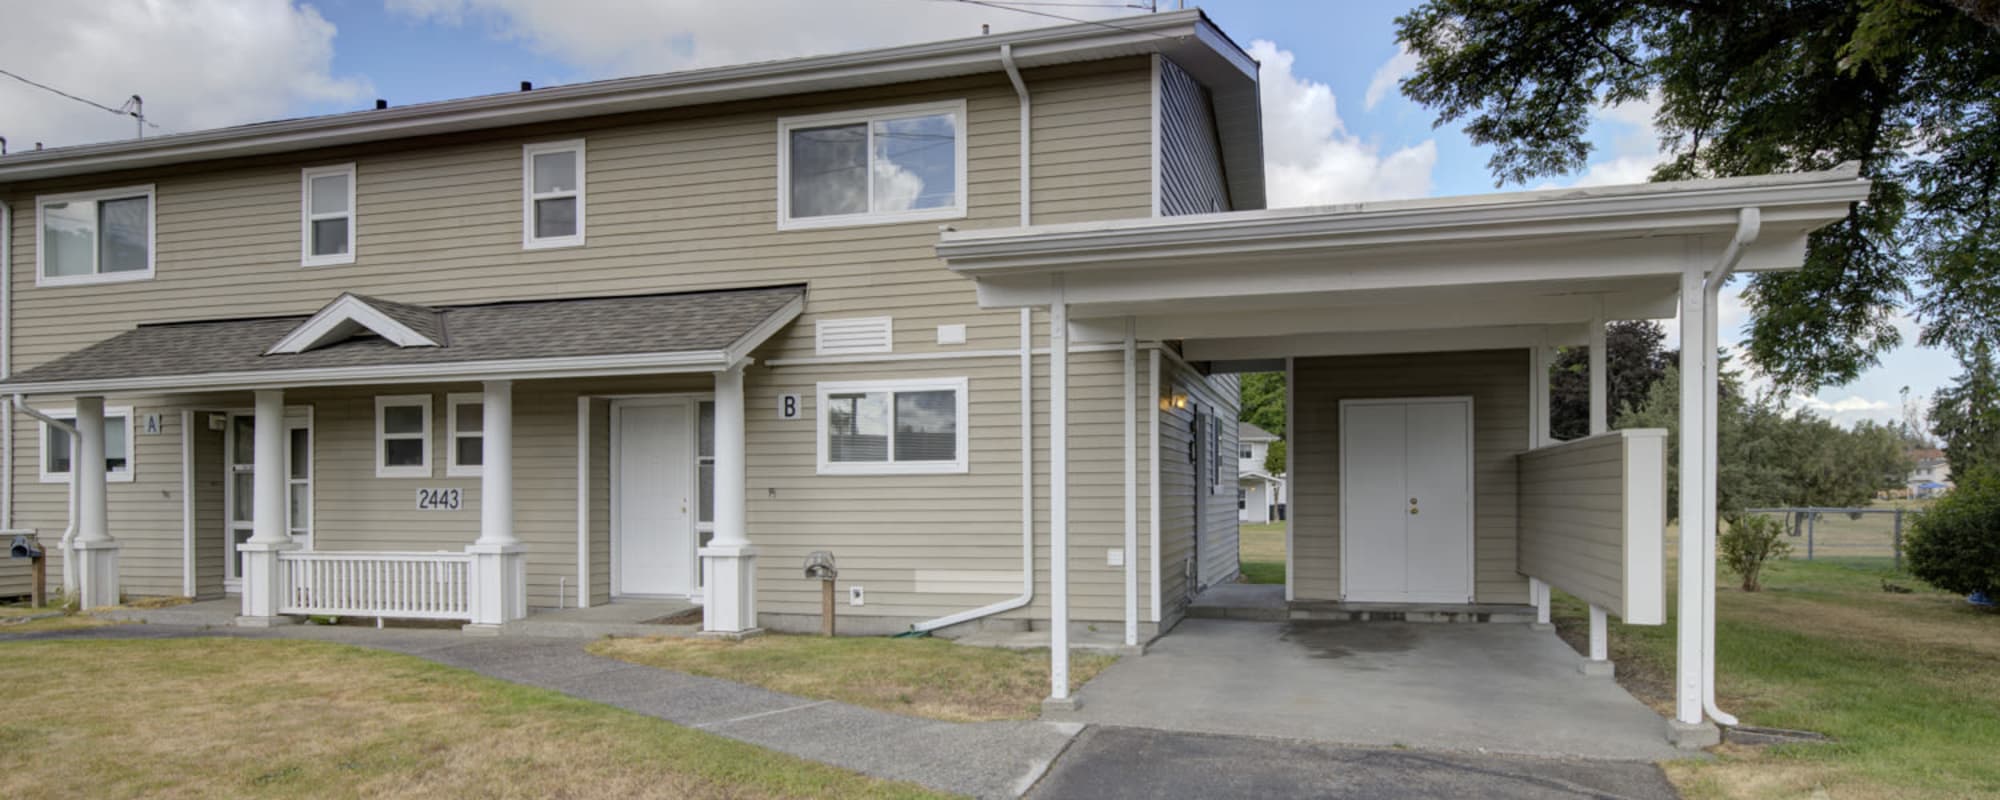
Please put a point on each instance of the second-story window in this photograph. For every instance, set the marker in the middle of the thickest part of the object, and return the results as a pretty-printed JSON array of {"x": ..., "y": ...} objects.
[
  {"x": 552, "y": 194},
  {"x": 885, "y": 165},
  {"x": 92, "y": 237},
  {"x": 327, "y": 216}
]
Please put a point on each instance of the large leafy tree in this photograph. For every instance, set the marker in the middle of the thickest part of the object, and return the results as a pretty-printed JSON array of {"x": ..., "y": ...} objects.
[
  {"x": 1635, "y": 356},
  {"x": 1966, "y": 415},
  {"x": 1908, "y": 88}
]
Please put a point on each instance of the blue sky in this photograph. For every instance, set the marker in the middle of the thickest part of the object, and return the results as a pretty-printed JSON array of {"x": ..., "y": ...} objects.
[{"x": 1336, "y": 128}]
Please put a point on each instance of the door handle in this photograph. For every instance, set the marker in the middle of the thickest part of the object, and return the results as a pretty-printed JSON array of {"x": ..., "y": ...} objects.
[{"x": 1413, "y": 506}]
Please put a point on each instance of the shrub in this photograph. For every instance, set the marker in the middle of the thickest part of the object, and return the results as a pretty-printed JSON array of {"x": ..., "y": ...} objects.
[
  {"x": 1955, "y": 545},
  {"x": 1751, "y": 542}
]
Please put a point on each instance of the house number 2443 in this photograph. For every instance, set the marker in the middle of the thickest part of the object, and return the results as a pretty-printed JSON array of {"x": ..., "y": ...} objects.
[{"x": 440, "y": 499}]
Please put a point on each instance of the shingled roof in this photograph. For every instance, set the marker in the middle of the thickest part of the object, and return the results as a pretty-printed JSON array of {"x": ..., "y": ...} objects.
[{"x": 690, "y": 331}]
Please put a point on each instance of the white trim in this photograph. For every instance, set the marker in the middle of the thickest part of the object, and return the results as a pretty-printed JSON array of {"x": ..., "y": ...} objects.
[
  {"x": 1130, "y": 425},
  {"x": 187, "y": 503},
  {"x": 689, "y": 403},
  {"x": 111, "y": 476},
  {"x": 868, "y": 118},
  {"x": 453, "y": 469},
  {"x": 307, "y": 216},
  {"x": 529, "y": 241},
  {"x": 961, "y": 386},
  {"x": 386, "y": 401},
  {"x": 1153, "y": 473},
  {"x": 449, "y": 372},
  {"x": 582, "y": 501},
  {"x": 97, "y": 275},
  {"x": 1291, "y": 498},
  {"x": 1471, "y": 485},
  {"x": 339, "y": 319}
]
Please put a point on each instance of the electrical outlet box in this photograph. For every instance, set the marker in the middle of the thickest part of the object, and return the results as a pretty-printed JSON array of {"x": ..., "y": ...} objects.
[
  {"x": 1114, "y": 557},
  {"x": 855, "y": 596},
  {"x": 951, "y": 334}
]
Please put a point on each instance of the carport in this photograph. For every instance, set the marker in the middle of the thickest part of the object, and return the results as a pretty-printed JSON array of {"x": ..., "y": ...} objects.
[{"x": 1423, "y": 475}]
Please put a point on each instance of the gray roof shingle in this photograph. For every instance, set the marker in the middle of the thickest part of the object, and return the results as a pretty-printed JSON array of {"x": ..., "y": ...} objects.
[{"x": 535, "y": 329}]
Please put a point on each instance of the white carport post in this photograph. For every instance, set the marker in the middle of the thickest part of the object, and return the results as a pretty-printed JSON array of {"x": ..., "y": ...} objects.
[
  {"x": 1694, "y": 443},
  {"x": 1059, "y": 698},
  {"x": 95, "y": 551},
  {"x": 730, "y": 560},
  {"x": 1600, "y": 644},
  {"x": 1538, "y": 436},
  {"x": 263, "y": 578},
  {"x": 499, "y": 566}
]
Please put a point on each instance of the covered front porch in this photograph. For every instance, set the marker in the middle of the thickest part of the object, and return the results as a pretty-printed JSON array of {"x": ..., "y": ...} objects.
[
  {"x": 1416, "y": 337},
  {"x": 379, "y": 460}
]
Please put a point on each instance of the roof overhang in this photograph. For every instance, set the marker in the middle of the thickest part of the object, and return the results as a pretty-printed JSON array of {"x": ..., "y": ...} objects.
[
  {"x": 1505, "y": 263},
  {"x": 1187, "y": 37},
  {"x": 610, "y": 365}
]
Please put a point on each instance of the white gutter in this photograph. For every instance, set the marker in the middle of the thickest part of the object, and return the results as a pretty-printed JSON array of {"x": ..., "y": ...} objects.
[
  {"x": 1748, "y": 223},
  {"x": 6, "y": 363},
  {"x": 75, "y": 464},
  {"x": 1027, "y": 594}
]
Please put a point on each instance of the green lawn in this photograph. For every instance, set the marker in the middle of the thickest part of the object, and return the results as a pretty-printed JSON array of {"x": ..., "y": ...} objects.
[
  {"x": 202, "y": 718},
  {"x": 1261, "y": 551},
  {"x": 1908, "y": 685}
]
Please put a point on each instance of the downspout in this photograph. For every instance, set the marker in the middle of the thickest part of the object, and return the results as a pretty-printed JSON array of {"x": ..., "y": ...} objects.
[
  {"x": 75, "y": 463},
  {"x": 1027, "y": 594},
  {"x": 1748, "y": 224},
  {"x": 6, "y": 359}
]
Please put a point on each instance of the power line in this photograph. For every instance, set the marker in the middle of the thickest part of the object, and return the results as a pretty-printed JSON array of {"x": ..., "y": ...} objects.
[
  {"x": 128, "y": 110},
  {"x": 1016, "y": 7}
]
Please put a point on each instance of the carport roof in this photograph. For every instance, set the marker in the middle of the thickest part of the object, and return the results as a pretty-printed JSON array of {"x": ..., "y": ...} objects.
[{"x": 678, "y": 332}]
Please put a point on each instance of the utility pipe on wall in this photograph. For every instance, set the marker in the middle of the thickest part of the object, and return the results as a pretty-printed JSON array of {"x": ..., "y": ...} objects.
[
  {"x": 1131, "y": 488},
  {"x": 1749, "y": 222}
]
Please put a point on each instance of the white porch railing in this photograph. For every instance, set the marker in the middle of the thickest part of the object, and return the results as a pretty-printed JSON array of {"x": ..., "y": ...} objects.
[{"x": 395, "y": 585}]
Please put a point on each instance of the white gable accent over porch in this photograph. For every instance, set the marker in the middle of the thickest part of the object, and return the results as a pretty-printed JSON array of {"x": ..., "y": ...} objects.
[{"x": 1526, "y": 271}]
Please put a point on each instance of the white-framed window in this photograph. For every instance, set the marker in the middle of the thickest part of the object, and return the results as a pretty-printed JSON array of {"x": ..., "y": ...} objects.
[
  {"x": 94, "y": 237},
  {"x": 465, "y": 439},
  {"x": 892, "y": 427},
  {"x": 403, "y": 436},
  {"x": 326, "y": 215},
  {"x": 58, "y": 449},
  {"x": 552, "y": 211},
  {"x": 881, "y": 165}
]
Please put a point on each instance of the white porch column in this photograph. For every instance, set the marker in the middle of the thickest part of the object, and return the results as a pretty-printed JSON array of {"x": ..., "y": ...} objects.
[
  {"x": 499, "y": 569},
  {"x": 1059, "y": 506},
  {"x": 263, "y": 576},
  {"x": 1600, "y": 659},
  {"x": 95, "y": 551},
  {"x": 1691, "y": 621},
  {"x": 729, "y": 560}
]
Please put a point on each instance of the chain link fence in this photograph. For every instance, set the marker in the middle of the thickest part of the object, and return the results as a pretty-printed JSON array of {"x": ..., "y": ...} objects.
[{"x": 1862, "y": 536}]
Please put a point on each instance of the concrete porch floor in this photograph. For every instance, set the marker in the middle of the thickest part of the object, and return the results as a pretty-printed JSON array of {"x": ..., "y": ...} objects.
[
  {"x": 1503, "y": 688},
  {"x": 625, "y": 617}
]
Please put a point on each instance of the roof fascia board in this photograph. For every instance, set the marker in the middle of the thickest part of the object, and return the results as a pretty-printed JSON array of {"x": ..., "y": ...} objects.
[
  {"x": 1678, "y": 212},
  {"x": 444, "y": 372},
  {"x": 756, "y": 337},
  {"x": 332, "y": 323},
  {"x": 1031, "y": 48}
]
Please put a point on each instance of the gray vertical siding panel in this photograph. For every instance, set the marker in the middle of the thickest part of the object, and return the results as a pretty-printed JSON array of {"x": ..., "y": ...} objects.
[{"x": 1191, "y": 176}]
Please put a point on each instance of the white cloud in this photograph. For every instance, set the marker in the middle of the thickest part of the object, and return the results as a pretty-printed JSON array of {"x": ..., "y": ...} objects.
[
  {"x": 1309, "y": 156},
  {"x": 1635, "y": 145},
  {"x": 198, "y": 64},
  {"x": 1388, "y": 76},
  {"x": 624, "y": 37},
  {"x": 1845, "y": 410}
]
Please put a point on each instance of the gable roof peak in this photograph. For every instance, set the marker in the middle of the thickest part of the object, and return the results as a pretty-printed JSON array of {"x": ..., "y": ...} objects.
[{"x": 402, "y": 324}]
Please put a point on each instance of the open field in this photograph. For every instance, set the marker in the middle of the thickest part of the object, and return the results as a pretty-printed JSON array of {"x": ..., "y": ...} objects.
[
  {"x": 1864, "y": 541},
  {"x": 266, "y": 718},
  {"x": 1908, "y": 685},
  {"x": 1261, "y": 549},
  {"x": 920, "y": 677}
]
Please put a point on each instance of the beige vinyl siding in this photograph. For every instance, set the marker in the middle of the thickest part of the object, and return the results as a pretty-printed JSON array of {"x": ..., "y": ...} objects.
[
  {"x": 600, "y": 500},
  {"x": 143, "y": 515},
  {"x": 1191, "y": 177},
  {"x": 16, "y": 578},
  {"x": 1180, "y": 483},
  {"x": 210, "y": 513},
  {"x": 1583, "y": 517},
  {"x": 678, "y": 201},
  {"x": 1497, "y": 382}
]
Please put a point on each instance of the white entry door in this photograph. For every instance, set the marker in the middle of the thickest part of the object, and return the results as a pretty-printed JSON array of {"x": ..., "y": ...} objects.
[
  {"x": 1406, "y": 500},
  {"x": 239, "y": 447},
  {"x": 653, "y": 481}
]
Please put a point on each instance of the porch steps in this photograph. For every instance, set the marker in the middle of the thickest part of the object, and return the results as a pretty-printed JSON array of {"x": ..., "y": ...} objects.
[{"x": 1265, "y": 602}]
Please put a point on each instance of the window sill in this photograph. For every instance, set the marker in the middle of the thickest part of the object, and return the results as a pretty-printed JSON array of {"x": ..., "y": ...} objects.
[
  {"x": 327, "y": 261},
  {"x": 553, "y": 244},
  {"x": 109, "y": 477},
  {"x": 404, "y": 472},
  {"x": 464, "y": 472},
  {"x": 861, "y": 220},
  {"x": 915, "y": 468}
]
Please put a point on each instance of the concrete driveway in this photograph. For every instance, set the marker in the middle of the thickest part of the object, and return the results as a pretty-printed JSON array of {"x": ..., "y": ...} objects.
[
  {"x": 1113, "y": 763},
  {"x": 1493, "y": 688}
]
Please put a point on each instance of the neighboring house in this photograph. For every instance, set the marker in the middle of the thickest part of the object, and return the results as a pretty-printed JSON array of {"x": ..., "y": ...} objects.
[
  {"x": 668, "y": 335},
  {"x": 1259, "y": 494},
  {"x": 1931, "y": 476}
]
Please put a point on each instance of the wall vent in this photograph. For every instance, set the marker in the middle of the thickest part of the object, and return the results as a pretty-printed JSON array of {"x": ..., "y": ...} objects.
[{"x": 834, "y": 337}]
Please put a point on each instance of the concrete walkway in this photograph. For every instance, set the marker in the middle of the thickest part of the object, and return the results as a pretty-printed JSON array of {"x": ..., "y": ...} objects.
[
  {"x": 988, "y": 760},
  {"x": 1496, "y": 688}
]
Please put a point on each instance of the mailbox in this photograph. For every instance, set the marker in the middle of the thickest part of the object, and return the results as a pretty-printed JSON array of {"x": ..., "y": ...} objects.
[
  {"x": 25, "y": 547},
  {"x": 819, "y": 564}
]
